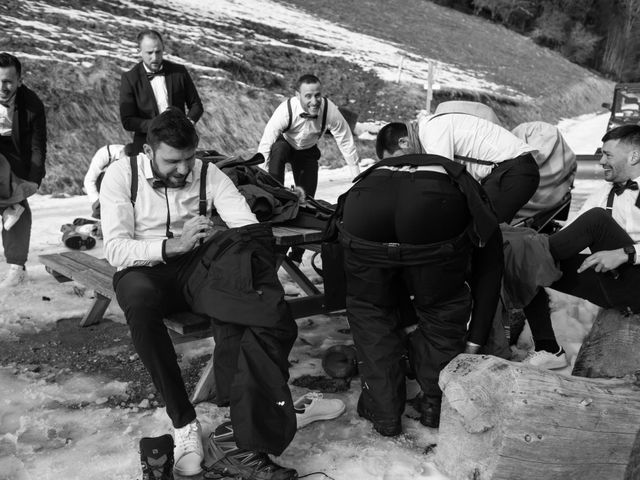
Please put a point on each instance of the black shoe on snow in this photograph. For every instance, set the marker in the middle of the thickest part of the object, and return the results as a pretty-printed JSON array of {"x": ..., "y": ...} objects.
[
  {"x": 156, "y": 457},
  {"x": 430, "y": 411},
  {"x": 225, "y": 458},
  {"x": 387, "y": 428}
]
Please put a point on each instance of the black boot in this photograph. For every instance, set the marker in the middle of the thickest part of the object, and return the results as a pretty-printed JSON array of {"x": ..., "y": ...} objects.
[
  {"x": 387, "y": 428},
  {"x": 430, "y": 411}
]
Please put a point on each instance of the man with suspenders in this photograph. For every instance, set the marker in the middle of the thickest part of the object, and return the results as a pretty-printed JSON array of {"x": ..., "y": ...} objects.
[
  {"x": 609, "y": 225},
  {"x": 292, "y": 134},
  {"x": 158, "y": 233},
  {"x": 495, "y": 157}
]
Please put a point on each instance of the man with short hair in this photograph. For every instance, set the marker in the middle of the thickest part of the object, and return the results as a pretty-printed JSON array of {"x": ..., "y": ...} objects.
[
  {"x": 152, "y": 86},
  {"x": 23, "y": 149},
  {"x": 157, "y": 231},
  {"x": 495, "y": 157},
  {"x": 292, "y": 134},
  {"x": 609, "y": 225}
]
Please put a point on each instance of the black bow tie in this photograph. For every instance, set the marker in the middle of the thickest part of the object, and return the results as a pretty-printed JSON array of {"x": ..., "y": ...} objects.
[
  {"x": 307, "y": 115},
  {"x": 618, "y": 188},
  {"x": 158, "y": 183},
  {"x": 151, "y": 75}
]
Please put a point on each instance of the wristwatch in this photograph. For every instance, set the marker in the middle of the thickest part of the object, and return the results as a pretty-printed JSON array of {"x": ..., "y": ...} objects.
[{"x": 631, "y": 251}]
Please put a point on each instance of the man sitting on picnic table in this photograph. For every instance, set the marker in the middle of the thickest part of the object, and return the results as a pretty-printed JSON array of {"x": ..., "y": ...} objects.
[{"x": 158, "y": 236}]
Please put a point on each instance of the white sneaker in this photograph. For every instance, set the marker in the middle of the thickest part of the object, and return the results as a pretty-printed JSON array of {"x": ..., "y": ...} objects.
[
  {"x": 312, "y": 407},
  {"x": 17, "y": 275},
  {"x": 11, "y": 215},
  {"x": 547, "y": 360},
  {"x": 188, "y": 452}
]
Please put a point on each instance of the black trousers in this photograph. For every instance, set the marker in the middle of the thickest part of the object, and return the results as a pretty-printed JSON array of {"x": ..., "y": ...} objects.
[
  {"x": 377, "y": 289},
  {"x": 596, "y": 230},
  {"x": 15, "y": 241},
  {"x": 304, "y": 164},
  {"x": 149, "y": 294},
  {"x": 511, "y": 185}
]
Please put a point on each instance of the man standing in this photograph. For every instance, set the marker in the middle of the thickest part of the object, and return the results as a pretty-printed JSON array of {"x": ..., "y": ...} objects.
[
  {"x": 495, "y": 157},
  {"x": 23, "y": 148},
  {"x": 415, "y": 226},
  {"x": 152, "y": 86},
  {"x": 292, "y": 134},
  {"x": 158, "y": 233}
]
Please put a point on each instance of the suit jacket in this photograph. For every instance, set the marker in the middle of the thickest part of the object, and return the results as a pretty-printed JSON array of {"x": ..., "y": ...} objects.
[
  {"x": 138, "y": 105},
  {"x": 29, "y": 135}
]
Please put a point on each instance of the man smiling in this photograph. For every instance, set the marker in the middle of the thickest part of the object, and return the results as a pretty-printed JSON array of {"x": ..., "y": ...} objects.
[
  {"x": 292, "y": 134},
  {"x": 609, "y": 225}
]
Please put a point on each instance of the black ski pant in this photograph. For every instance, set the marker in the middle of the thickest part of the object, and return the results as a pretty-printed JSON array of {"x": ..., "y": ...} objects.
[
  {"x": 378, "y": 278},
  {"x": 247, "y": 358},
  {"x": 597, "y": 230},
  {"x": 511, "y": 185}
]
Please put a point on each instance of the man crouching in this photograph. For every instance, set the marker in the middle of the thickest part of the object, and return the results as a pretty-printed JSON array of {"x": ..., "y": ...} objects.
[{"x": 157, "y": 230}]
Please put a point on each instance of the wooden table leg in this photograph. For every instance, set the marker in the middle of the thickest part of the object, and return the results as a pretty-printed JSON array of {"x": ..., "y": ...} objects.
[
  {"x": 96, "y": 312},
  {"x": 206, "y": 387}
]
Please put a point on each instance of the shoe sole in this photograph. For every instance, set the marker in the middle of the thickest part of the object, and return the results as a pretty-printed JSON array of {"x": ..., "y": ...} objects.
[
  {"x": 328, "y": 416},
  {"x": 186, "y": 473},
  {"x": 80, "y": 242}
]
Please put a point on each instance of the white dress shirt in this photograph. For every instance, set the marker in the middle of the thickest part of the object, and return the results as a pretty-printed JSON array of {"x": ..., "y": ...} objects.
[
  {"x": 100, "y": 161},
  {"x": 159, "y": 87},
  {"x": 466, "y": 135},
  {"x": 6, "y": 118},
  {"x": 305, "y": 132},
  {"x": 135, "y": 236},
  {"x": 624, "y": 210}
]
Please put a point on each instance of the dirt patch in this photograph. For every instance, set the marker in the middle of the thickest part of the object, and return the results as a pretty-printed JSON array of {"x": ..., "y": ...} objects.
[{"x": 105, "y": 349}]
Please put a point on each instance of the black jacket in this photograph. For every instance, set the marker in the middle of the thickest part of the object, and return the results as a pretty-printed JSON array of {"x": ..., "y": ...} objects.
[
  {"x": 29, "y": 134},
  {"x": 138, "y": 105}
]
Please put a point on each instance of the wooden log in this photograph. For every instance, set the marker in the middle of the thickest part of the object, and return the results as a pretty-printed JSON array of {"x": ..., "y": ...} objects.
[
  {"x": 611, "y": 349},
  {"x": 504, "y": 421}
]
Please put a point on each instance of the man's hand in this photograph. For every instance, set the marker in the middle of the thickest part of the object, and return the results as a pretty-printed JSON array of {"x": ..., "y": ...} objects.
[
  {"x": 195, "y": 229},
  {"x": 604, "y": 261}
]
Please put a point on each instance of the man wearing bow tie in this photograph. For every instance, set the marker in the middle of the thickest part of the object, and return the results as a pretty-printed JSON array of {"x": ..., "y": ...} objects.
[
  {"x": 158, "y": 233},
  {"x": 152, "y": 86},
  {"x": 23, "y": 148},
  {"x": 292, "y": 134},
  {"x": 609, "y": 225}
]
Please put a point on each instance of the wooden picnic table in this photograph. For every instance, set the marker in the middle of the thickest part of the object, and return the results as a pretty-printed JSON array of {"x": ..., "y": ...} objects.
[{"x": 96, "y": 274}]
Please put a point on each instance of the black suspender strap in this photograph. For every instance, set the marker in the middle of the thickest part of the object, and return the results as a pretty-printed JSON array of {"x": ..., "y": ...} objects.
[
  {"x": 475, "y": 160},
  {"x": 323, "y": 125},
  {"x": 290, "y": 115},
  {"x": 202, "y": 202},
  {"x": 108, "y": 153},
  {"x": 134, "y": 179},
  {"x": 609, "y": 207}
]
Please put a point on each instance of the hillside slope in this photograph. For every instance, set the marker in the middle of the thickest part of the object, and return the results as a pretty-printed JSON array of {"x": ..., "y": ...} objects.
[{"x": 245, "y": 55}]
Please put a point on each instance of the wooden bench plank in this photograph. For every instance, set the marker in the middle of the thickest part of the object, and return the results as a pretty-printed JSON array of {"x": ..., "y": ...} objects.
[{"x": 90, "y": 262}]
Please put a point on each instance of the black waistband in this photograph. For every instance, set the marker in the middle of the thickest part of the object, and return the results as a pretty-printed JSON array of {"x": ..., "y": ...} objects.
[{"x": 405, "y": 253}]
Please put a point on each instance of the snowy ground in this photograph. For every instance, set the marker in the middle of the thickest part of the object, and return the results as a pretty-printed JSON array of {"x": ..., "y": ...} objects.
[{"x": 43, "y": 436}]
